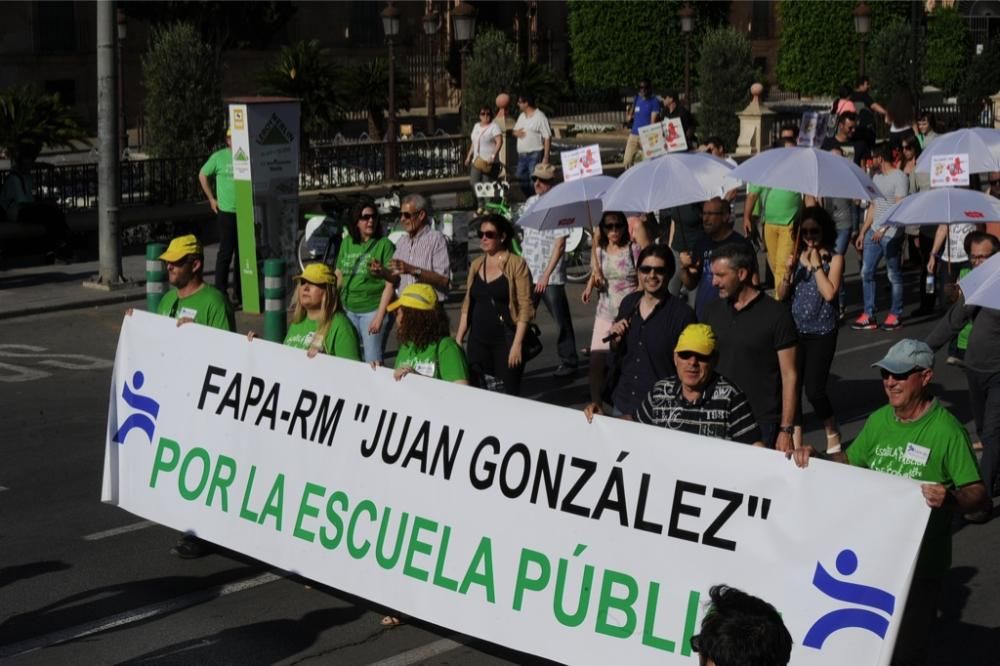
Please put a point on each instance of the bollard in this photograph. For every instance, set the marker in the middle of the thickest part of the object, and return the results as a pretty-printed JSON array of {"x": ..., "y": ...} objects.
[
  {"x": 156, "y": 275},
  {"x": 274, "y": 300}
]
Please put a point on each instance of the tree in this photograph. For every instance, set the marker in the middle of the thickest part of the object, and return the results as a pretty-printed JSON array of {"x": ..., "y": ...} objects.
[
  {"x": 365, "y": 87},
  {"x": 184, "y": 112},
  {"x": 493, "y": 66},
  {"x": 725, "y": 74},
  {"x": 982, "y": 79},
  {"x": 304, "y": 70},
  {"x": 947, "y": 49},
  {"x": 31, "y": 120},
  {"x": 888, "y": 60}
]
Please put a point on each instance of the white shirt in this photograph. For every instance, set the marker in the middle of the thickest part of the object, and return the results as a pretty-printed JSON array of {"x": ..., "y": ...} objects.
[
  {"x": 536, "y": 128},
  {"x": 954, "y": 250},
  {"x": 483, "y": 140}
]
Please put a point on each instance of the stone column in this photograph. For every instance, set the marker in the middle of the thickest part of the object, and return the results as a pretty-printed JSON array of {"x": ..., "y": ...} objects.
[{"x": 752, "y": 124}]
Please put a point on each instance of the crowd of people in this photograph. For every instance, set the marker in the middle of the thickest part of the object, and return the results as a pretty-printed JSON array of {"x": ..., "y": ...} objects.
[{"x": 689, "y": 333}]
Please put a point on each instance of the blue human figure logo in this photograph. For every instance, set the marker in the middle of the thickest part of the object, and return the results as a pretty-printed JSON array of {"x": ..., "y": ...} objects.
[
  {"x": 853, "y": 593},
  {"x": 144, "y": 419}
]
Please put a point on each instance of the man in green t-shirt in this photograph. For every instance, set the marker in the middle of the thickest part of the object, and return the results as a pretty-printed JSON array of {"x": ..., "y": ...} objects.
[
  {"x": 778, "y": 211},
  {"x": 915, "y": 437},
  {"x": 192, "y": 301},
  {"x": 223, "y": 203}
]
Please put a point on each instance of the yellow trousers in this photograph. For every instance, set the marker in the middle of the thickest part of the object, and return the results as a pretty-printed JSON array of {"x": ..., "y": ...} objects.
[{"x": 779, "y": 241}]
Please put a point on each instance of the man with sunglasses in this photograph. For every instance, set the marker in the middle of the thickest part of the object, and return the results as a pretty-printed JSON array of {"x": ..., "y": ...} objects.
[
  {"x": 915, "y": 437},
  {"x": 192, "y": 300},
  {"x": 844, "y": 139},
  {"x": 645, "y": 110},
  {"x": 421, "y": 255}
]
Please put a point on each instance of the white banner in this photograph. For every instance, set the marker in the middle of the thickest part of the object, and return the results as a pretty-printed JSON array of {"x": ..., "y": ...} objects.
[
  {"x": 950, "y": 170},
  {"x": 502, "y": 518},
  {"x": 582, "y": 162}
]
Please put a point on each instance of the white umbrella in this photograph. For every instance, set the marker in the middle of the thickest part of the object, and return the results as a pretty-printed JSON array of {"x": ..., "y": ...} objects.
[
  {"x": 675, "y": 179},
  {"x": 981, "y": 144},
  {"x": 945, "y": 205},
  {"x": 576, "y": 203},
  {"x": 982, "y": 285},
  {"x": 809, "y": 171}
]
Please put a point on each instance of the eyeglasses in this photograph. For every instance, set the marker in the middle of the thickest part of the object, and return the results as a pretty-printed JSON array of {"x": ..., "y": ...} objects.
[
  {"x": 979, "y": 257},
  {"x": 407, "y": 216},
  {"x": 899, "y": 376},
  {"x": 617, "y": 226},
  {"x": 366, "y": 216},
  {"x": 688, "y": 355},
  {"x": 180, "y": 263},
  {"x": 659, "y": 270},
  {"x": 490, "y": 235}
]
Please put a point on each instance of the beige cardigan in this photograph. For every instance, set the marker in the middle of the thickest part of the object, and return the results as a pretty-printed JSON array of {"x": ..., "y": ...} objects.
[{"x": 518, "y": 281}]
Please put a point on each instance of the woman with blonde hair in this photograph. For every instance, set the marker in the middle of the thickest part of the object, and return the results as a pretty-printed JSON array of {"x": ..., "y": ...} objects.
[{"x": 318, "y": 323}]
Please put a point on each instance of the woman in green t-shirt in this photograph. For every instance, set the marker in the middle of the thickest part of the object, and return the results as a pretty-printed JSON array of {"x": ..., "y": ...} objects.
[
  {"x": 425, "y": 343},
  {"x": 364, "y": 295},
  {"x": 318, "y": 324}
]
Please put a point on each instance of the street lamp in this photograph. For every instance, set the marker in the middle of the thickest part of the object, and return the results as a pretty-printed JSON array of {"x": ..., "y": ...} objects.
[
  {"x": 464, "y": 18},
  {"x": 862, "y": 25},
  {"x": 432, "y": 23},
  {"x": 122, "y": 26},
  {"x": 390, "y": 25},
  {"x": 686, "y": 15}
]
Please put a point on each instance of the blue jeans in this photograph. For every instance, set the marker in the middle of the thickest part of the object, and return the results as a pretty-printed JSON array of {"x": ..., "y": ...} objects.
[
  {"x": 526, "y": 163},
  {"x": 892, "y": 250},
  {"x": 840, "y": 247},
  {"x": 371, "y": 344}
]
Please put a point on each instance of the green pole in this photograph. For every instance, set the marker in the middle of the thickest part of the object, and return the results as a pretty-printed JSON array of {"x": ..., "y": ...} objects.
[
  {"x": 156, "y": 275},
  {"x": 274, "y": 300}
]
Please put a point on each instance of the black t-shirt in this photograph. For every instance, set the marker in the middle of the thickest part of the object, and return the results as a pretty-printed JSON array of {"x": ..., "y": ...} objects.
[
  {"x": 852, "y": 149},
  {"x": 703, "y": 250},
  {"x": 863, "y": 103},
  {"x": 689, "y": 229},
  {"x": 748, "y": 341}
]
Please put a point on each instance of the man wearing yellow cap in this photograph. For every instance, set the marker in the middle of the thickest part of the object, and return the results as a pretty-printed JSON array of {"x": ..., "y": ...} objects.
[
  {"x": 191, "y": 299},
  {"x": 223, "y": 203},
  {"x": 697, "y": 400}
]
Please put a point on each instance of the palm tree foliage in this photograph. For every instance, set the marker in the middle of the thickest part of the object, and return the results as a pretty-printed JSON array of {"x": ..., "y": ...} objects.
[
  {"x": 304, "y": 70},
  {"x": 31, "y": 119},
  {"x": 365, "y": 87}
]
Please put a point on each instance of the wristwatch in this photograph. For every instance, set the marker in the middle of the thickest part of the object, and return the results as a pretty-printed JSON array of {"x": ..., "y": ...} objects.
[{"x": 788, "y": 430}]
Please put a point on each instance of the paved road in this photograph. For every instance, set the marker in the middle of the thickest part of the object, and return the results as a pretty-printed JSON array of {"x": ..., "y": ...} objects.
[{"x": 82, "y": 582}]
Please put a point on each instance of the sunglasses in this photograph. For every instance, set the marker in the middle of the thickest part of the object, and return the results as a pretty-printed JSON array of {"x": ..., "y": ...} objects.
[
  {"x": 180, "y": 263},
  {"x": 659, "y": 270},
  {"x": 688, "y": 355},
  {"x": 899, "y": 376},
  {"x": 407, "y": 216},
  {"x": 366, "y": 216},
  {"x": 490, "y": 235},
  {"x": 484, "y": 113},
  {"x": 616, "y": 226}
]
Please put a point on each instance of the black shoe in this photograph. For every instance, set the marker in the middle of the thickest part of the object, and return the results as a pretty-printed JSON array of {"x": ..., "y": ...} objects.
[
  {"x": 190, "y": 547},
  {"x": 565, "y": 370}
]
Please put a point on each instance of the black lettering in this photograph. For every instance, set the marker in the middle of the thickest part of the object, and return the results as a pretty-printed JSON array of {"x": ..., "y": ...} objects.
[
  {"x": 270, "y": 409},
  {"x": 391, "y": 457},
  {"x": 255, "y": 391},
  {"x": 735, "y": 499},
  {"x": 588, "y": 467},
  {"x": 489, "y": 467},
  {"x": 544, "y": 472},
  {"x": 418, "y": 449},
  {"x": 640, "y": 510},
  {"x": 678, "y": 508},
  {"x": 514, "y": 491},
  {"x": 449, "y": 452},
  {"x": 616, "y": 484},
  {"x": 325, "y": 425},
  {"x": 207, "y": 386},
  {"x": 232, "y": 397},
  {"x": 302, "y": 411}
]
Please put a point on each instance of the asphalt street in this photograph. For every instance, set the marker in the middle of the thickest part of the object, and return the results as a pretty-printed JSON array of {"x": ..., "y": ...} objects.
[{"x": 84, "y": 582}]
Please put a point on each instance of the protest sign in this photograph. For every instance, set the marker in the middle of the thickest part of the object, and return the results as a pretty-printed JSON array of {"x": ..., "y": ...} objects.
[
  {"x": 673, "y": 132},
  {"x": 950, "y": 170},
  {"x": 812, "y": 128},
  {"x": 581, "y": 162},
  {"x": 652, "y": 140},
  {"x": 502, "y": 518}
]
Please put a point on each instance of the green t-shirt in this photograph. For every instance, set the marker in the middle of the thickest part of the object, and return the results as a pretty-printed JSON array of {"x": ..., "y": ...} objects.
[
  {"x": 207, "y": 306},
  {"x": 935, "y": 449},
  {"x": 442, "y": 360},
  {"x": 779, "y": 206},
  {"x": 963, "y": 335},
  {"x": 361, "y": 292},
  {"x": 341, "y": 339},
  {"x": 220, "y": 165}
]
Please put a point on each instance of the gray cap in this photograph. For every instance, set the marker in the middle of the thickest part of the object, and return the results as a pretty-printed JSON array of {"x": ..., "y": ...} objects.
[{"x": 906, "y": 355}]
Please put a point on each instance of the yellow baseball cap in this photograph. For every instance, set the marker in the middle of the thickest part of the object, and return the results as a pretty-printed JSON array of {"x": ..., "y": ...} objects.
[
  {"x": 229, "y": 131},
  {"x": 417, "y": 296},
  {"x": 317, "y": 273},
  {"x": 181, "y": 247},
  {"x": 698, "y": 338}
]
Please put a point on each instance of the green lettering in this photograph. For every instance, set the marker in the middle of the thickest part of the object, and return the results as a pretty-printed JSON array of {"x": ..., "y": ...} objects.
[
  {"x": 275, "y": 503},
  {"x": 390, "y": 561},
  {"x": 439, "y": 578},
  {"x": 328, "y": 542},
  {"x": 161, "y": 464},
  {"x": 222, "y": 483},
  {"x": 583, "y": 603},
  {"x": 623, "y": 604},
  {"x": 367, "y": 506},
  {"x": 484, "y": 555},
  {"x": 245, "y": 513},
  {"x": 690, "y": 620},
  {"x": 417, "y": 546},
  {"x": 523, "y": 582},
  {"x": 196, "y": 453},
  {"x": 306, "y": 509},
  {"x": 648, "y": 638}
]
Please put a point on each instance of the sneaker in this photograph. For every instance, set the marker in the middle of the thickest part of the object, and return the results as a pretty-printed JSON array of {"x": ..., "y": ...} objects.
[
  {"x": 978, "y": 517},
  {"x": 864, "y": 323},
  {"x": 564, "y": 370},
  {"x": 954, "y": 360},
  {"x": 891, "y": 323},
  {"x": 190, "y": 547}
]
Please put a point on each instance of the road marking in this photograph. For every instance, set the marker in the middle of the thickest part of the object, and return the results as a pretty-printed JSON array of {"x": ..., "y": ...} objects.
[
  {"x": 422, "y": 653},
  {"x": 124, "y": 529},
  {"x": 870, "y": 345},
  {"x": 3, "y": 488},
  {"x": 137, "y": 615}
]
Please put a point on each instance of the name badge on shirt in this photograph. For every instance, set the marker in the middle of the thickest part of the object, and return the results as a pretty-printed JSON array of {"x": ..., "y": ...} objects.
[
  {"x": 425, "y": 368},
  {"x": 308, "y": 340},
  {"x": 916, "y": 454},
  {"x": 187, "y": 313}
]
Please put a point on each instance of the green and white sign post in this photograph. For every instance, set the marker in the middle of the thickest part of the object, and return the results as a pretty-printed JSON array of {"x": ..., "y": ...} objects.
[{"x": 265, "y": 142}]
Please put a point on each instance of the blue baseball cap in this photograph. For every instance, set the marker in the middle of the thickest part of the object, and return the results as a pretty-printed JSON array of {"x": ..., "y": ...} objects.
[{"x": 906, "y": 355}]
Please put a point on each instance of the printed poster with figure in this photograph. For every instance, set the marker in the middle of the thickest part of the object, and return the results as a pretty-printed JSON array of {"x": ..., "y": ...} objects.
[
  {"x": 812, "y": 128},
  {"x": 652, "y": 140},
  {"x": 950, "y": 170},
  {"x": 673, "y": 133},
  {"x": 581, "y": 163}
]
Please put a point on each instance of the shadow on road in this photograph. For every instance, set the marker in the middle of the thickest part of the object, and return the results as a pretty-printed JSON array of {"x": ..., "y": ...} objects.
[{"x": 18, "y": 572}]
